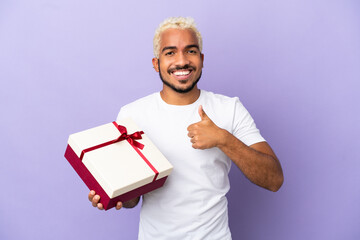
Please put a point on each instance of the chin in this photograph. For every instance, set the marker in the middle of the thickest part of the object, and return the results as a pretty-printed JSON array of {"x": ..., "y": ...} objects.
[{"x": 180, "y": 89}]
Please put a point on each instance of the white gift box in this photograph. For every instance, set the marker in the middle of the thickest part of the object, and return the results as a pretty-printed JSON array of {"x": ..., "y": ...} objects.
[{"x": 117, "y": 171}]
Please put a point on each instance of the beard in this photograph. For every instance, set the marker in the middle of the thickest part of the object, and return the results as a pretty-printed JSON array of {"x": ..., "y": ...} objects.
[{"x": 177, "y": 89}]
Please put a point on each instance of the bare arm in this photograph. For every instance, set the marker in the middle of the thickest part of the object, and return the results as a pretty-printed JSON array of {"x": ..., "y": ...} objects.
[
  {"x": 131, "y": 203},
  {"x": 258, "y": 162}
]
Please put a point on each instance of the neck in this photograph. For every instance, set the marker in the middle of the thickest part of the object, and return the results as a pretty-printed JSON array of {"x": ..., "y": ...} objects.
[{"x": 174, "y": 98}]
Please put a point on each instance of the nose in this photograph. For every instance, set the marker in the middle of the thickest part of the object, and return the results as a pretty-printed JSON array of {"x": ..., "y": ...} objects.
[{"x": 182, "y": 59}]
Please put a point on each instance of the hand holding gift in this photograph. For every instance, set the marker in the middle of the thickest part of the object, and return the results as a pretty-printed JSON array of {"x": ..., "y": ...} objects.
[{"x": 95, "y": 200}]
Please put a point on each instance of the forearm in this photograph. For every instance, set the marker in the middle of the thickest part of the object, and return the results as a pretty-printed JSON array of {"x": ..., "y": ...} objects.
[
  {"x": 260, "y": 167},
  {"x": 131, "y": 203},
  {"x": 258, "y": 162}
]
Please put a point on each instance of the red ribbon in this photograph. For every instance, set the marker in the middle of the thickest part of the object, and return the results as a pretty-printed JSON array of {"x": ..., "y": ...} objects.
[{"x": 131, "y": 139}]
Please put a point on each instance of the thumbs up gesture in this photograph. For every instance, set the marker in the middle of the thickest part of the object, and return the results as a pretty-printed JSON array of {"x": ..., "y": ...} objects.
[{"x": 205, "y": 134}]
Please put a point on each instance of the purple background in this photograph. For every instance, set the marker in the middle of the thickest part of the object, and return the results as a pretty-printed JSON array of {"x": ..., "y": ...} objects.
[{"x": 67, "y": 65}]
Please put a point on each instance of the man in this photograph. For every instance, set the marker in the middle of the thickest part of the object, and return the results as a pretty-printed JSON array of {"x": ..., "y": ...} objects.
[{"x": 200, "y": 133}]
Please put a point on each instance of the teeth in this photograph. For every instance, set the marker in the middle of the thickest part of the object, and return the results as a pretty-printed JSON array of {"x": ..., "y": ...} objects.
[{"x": 182, "y": 73}]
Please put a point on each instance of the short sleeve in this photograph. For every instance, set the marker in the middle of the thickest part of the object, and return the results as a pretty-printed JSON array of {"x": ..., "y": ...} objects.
[
  {"x": 120, "y": 115},
  {"x": 244, "y": 127}
]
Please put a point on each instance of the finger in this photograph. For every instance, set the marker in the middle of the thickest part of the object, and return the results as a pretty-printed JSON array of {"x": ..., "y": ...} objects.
[
  {"x": 100, "y": 206},
  {"x": 190, "y": 134},
  {"x": 190, "y": 127},
  {"x": 198, "y": 146},
  {"x": 192, "y": 140},
  {"x": 91, "y": 195},
  {"x": 193, "y": 127},
  {"x": 95, "y": 200},
  {"x": 118, "y": 205},
  {"x": 202, "y": 113}
]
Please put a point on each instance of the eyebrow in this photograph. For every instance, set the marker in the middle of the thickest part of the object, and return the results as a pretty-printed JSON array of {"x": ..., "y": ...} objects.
[
  {"x": 193, "y": 46},
  {"x": 173, "y": 47},
  {"x": 166, "y": 48}
]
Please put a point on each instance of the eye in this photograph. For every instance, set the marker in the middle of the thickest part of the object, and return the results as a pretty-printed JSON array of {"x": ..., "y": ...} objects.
[
  {"x": 192, "y": 51},
  {"x": 169, "y": 53}
]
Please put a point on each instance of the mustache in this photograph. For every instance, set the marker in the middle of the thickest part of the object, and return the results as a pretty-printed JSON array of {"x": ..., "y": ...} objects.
[{"x": 185, "y": 67}]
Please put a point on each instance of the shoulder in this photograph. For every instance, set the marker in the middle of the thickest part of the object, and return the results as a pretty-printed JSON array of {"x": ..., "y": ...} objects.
[
  {"x": 218, "y": 97},
  {"x": 142, "y": 102},
  {"x": 138, "y": 106},
  {"x": 225, "y": 111},
  {"x": 220, "y": 101}
]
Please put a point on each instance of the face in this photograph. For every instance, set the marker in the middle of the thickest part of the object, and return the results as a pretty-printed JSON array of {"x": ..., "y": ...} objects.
[{"x": 180, "y": 60}]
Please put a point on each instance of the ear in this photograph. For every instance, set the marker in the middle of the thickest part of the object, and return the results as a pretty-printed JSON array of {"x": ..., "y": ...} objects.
[
  {"x": 202, "y": 59},
  {"x": 155, "y": 62}
]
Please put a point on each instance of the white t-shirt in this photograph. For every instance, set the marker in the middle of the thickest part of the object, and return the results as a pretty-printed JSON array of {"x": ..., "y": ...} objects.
[{"x": 192, "y": 202}]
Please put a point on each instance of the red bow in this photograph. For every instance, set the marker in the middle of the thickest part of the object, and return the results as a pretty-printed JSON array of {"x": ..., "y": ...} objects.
[
  {"x": 130, "y": 138},
  {"x": 124, "y": 136}
]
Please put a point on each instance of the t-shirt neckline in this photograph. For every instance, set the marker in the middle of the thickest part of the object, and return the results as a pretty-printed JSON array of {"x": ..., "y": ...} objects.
[{"x": 171, "y": 106}]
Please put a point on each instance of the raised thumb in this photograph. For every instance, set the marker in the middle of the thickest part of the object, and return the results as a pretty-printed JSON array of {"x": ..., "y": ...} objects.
[{"x": 202, "y": 113}]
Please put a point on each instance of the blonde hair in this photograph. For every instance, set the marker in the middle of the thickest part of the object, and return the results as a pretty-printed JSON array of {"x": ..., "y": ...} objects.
[{"x": 178, "y": 23}]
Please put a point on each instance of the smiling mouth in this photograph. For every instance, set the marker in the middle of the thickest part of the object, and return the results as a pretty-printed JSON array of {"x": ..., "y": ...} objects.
[{"x": 182, "y": 74}]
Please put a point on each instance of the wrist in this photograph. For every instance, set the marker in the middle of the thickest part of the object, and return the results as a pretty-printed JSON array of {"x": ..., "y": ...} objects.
[
  {"x": 223, "y": 136},
  {"x": 131, "y": 203}
]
